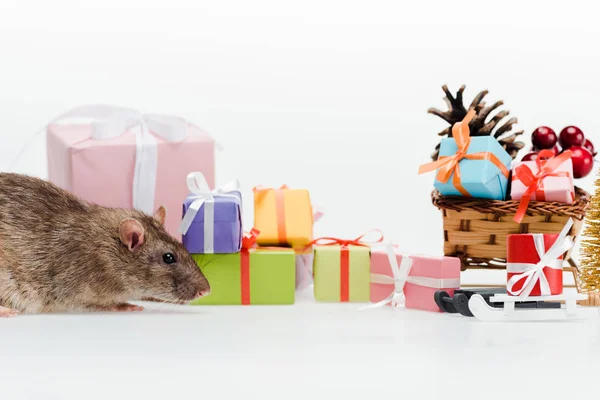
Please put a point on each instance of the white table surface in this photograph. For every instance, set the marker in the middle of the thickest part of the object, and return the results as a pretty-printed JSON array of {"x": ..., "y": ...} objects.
[{"x": 308, "y": 350}]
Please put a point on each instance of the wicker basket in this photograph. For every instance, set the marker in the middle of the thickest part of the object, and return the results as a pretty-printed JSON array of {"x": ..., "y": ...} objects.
[{"x": 476, "y": 230}]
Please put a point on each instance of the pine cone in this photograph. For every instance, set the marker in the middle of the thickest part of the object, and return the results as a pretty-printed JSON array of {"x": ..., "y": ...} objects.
[{"x": 478, "y": 126}]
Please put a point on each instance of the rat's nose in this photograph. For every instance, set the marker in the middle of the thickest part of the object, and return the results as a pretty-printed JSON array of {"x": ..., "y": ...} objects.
[{"x": 203, "y": 293}]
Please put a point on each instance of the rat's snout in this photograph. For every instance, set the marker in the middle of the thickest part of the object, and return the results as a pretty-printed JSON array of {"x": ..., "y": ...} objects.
[
  {"x": 192, "y": 286},
  {"x": 204, "y": 288}
]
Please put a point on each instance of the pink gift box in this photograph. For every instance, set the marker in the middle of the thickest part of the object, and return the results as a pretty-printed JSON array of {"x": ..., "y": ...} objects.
[
  {"x": 305, "y": 261},
  {"x": 435, "y": 272},
  {"x": 102, "y": 171},
  {"x": 559, "y": 188},
  {"x": 304, "y": 268}
]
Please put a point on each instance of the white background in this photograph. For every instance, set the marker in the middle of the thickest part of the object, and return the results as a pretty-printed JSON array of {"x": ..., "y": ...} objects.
[{"x": 326, "y": 95}]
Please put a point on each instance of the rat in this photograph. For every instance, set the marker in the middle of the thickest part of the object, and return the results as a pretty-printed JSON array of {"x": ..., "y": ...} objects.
[{"x": 59, "y": 253}]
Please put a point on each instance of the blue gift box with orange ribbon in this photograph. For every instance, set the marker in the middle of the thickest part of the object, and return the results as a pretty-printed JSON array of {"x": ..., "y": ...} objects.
[{"x": 468, "y": 166}]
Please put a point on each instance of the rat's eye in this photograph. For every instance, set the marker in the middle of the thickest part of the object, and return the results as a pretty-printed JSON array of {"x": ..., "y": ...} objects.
[{"x": 169, "y": 258}]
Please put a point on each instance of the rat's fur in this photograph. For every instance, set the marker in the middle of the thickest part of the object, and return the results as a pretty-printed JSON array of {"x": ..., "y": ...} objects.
[{"x": 59, "y": 253}]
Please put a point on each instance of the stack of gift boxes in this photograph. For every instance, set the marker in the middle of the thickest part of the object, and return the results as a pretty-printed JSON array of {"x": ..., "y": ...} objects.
[
  {"x": 264, "y": 265},
  {"x": 479, "y": 167},
  {"x": 253, "y": 267}
]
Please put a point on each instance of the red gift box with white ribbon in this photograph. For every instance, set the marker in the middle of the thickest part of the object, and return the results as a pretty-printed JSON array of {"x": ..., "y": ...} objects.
[{"x": 534, "y": 263}]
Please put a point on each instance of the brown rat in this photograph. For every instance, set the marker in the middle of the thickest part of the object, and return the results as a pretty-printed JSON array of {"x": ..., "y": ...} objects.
[{"x": 59, "y": 253}]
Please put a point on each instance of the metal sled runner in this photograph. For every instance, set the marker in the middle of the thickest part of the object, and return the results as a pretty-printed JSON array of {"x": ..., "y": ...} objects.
[
  {"x": 484, "y": 312},
  {"x": 459, "y": 302}
]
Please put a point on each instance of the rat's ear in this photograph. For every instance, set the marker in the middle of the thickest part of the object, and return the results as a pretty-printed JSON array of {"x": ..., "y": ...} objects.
[
  {"x": 131, "y": 233},
  {"x": 160, "y": 215}
]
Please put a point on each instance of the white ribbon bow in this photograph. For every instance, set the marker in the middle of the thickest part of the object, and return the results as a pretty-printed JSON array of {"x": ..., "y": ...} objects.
[
  {"x": 109, "y": 122},
  {"x": 198, "y": 186},
  {"x": 533, "y": 273},
  {"x": 401, "y": 277}
]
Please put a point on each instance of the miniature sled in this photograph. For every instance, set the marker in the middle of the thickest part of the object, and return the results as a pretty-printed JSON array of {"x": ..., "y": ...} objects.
[
  {"x": 508, "y": 312},
  {"x": 459, "y": 303}
]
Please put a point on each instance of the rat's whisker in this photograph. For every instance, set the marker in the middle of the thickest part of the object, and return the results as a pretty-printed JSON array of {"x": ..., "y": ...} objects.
[
  {"x": 168, "y": 298},
  {"x": 204, "y": 264}
]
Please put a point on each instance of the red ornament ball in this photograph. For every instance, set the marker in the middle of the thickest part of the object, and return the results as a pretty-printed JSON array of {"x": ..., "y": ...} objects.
[
  {"x": 571, "y": 136},
  {"x": 543, "y": 138},
  {"x": 589, "y": 145},
  {"x": 583, "y": 161}
]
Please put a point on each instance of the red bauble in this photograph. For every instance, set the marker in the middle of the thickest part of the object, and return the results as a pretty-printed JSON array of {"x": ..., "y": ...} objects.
[
  {"x": 583, "y": 161},
  {"x": 543, "y": 138},
  {"x": 530, "y": 157},
  {"x": 571, "y": 136},
  {"x": 590, "y": 146}
]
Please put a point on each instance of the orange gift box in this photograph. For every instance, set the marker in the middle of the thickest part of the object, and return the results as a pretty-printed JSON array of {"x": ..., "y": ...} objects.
[{"x": 283, "y": 216}]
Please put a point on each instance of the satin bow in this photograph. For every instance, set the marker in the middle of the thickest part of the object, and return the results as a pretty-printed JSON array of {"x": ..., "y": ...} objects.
[
  {"x": 109, "y": 122},
  {"x": 359, "y": 241},
  {"x": 400, "y": 275},
  {"x": 202, "y": 195},
  {"x": 249, "y": 239},
  {"x": 533, "y": 273},
  {"x": 534, "y": 182},
  {"x": 449, "y": 166}
]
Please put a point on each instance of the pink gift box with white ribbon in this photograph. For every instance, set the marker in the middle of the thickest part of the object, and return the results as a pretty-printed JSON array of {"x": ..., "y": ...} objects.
[
  {"x": 118, "y": 157},
  {"x": 399, "y": 279}
]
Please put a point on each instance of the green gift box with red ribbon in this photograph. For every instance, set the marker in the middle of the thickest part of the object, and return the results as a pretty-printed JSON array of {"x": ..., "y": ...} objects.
[
  {"x": 252, "y": 276},
  {"x": 342, "y": 269}
]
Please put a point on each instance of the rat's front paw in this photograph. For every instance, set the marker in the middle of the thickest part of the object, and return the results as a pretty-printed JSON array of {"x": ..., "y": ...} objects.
[
  {"x": 124, "y": 307},
  {"x": 8, "y": 312}
]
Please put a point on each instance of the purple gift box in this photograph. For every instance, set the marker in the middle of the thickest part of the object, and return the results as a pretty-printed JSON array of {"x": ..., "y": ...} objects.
[
  {"x": 212, "y": 219},
  {"x": 226, "y": 229}
]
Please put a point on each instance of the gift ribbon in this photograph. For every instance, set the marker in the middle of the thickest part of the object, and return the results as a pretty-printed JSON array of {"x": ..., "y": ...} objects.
[
  {"x": 345, "y": 256},
  {"x": 449, "y": 166},
  {"x": 400, "y": 277},
  {"x": 110, "y": 122},
  {"x": 279, "y": 211},
  {"x": 535, "y": 182},
  {"x": 248, "y": 242},
  {"x": 202, "y": 195},
  {"x": 533, "y": 273}
]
